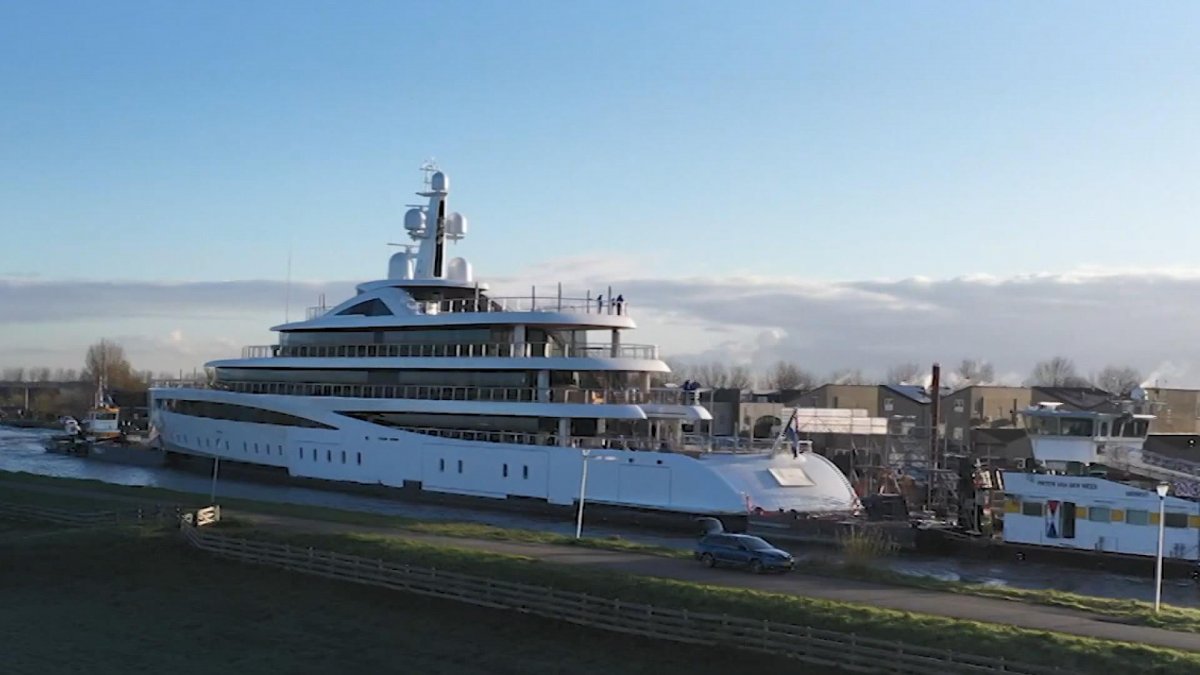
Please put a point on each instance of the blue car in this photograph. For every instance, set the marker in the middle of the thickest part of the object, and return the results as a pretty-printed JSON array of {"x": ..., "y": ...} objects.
[{"x": 742, "y": 550}]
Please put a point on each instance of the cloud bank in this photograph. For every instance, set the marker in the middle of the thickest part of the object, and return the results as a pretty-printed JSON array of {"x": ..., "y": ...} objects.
[{"x": 1143, "y": 318}]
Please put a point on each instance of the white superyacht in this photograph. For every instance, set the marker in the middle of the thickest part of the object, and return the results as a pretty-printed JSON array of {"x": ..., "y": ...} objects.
[{"x": 425, "y": 381}]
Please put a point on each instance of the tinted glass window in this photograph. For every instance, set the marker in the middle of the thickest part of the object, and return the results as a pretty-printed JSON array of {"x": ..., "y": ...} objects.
[
  {"x": 1176, "y": 520},
  {"x": 241, "y": 413},
  {"x": 755, "y": 544},
  {"x": 373, "y": 307}
]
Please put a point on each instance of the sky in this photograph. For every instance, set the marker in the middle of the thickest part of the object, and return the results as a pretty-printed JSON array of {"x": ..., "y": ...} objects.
[{"x": 849, "y": 185}]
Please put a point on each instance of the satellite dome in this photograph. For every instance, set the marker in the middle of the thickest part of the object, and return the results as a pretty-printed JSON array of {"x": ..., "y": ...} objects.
[
  {"x": 439, "y": 182},
  {"x": 459, "y": 269},
  {"x": 456, "y": 225},
  {"x": 414, "y": 220},
  {"x": 401, "y": 266}
]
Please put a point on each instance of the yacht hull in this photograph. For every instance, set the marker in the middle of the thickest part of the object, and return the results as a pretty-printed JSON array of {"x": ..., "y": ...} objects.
[{"x": 365, "y": 454}]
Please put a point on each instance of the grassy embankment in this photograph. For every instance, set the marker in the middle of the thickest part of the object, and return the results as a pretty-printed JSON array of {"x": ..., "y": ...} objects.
[
  {"x": 105, "y": 496},
  {"x": 123, "y": 601},
  {"x": 1074, "y": 653}
]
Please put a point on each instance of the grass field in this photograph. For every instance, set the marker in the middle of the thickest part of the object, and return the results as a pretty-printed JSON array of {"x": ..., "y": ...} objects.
[
  {"x": 120, "y": 601},
  {"x": 1075, "y": 653},
  {"x": 105, "y": 496}
]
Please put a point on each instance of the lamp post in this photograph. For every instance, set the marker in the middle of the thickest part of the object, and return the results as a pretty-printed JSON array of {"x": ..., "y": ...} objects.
[
  {"x": 1161, "y": 489},
  {"x": 212, "y": 493},
  {"x": 582, "y": 490}
]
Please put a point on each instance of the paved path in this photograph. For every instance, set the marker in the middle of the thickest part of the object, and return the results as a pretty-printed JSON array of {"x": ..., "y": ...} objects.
[{"x": 955, "y": 605}]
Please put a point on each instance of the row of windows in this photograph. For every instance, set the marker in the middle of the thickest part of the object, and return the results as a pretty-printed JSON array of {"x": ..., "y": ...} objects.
[
  {"x": 1104, "y": 514},
  {"x": 503, "y": 472},
  {"x": 236, "y": 413},
  {"x": 207, "y": 443},
  {"x": 315, "y": 453}
]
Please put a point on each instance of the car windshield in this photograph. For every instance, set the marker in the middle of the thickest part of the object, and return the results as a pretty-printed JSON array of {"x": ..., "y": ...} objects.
[{"x": 756, "y": 544}]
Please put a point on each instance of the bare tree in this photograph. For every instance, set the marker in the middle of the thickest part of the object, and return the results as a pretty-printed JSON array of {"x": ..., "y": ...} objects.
[
  {"x": 905, "y": 373},
  {"x": 847, "y": 376},
  {"x": 680, "y": 371},
  {"x": 975, "y": 371},
  {"x": 13, "y": 375},
  {"x": 711, "y": 374},
  {"x": 1118, "y": 379},
  {"x": 1056, "y": 372},
  {"x": 740, "y": 377},
  {"x": 784, "y": 375},
  {"x": 39, "y": 374},
  {"x": 108, "y": 359}
]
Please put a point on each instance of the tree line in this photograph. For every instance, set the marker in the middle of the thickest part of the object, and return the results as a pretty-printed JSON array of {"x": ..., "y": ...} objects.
[
  {"x": 1058, "y": 371},
  {"x": 105, "y": 358}
]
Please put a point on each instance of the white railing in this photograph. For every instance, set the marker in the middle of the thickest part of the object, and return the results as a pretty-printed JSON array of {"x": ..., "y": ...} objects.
[
  {"x": 528, "y": 303},
  {"x": 693, "y": 444},
  {"x": 487, "y": 349},
  {"x": 459, "y": 393},
  {"x": 179, "y": 384}
]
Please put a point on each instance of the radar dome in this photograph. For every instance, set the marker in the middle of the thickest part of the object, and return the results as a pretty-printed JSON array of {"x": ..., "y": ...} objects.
[
  {"x": 456, "y": 225},
  {"x": 414, "y": 220},
  {"x": 439, "y": 182},
  {"x": 401, "y": 266},
  {"x": 458, "y": 269}
]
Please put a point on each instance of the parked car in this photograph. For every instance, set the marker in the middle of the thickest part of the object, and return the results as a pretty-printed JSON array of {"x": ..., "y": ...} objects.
[{"x": 742, "y": 550}]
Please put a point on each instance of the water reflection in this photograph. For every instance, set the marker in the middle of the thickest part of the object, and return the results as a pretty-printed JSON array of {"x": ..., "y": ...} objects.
[{"x": 21, "y": 450}]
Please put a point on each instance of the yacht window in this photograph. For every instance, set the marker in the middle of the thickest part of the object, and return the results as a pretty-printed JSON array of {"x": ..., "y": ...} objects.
[
  {"x": 1099, "y": 514},
  {"x": 372, "y": 307},
  {"x": 301, "y": 452},
  {"x": 1031, "y": 509},
  {"x": 505, "y": 472},
  {"x": 329, "y": 456},
  {"x": 460, "y": 466},
  {"x": 441, "y": 465},
  {"x": 359, "y": 458},
  {"x": 1136, "y": 517},
  {"x": 1104, "y": 428},
  {"x": 343, "y": 457}
]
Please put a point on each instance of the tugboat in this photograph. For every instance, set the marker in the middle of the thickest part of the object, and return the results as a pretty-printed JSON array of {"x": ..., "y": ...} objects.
[{"x": 100, "y": 436}]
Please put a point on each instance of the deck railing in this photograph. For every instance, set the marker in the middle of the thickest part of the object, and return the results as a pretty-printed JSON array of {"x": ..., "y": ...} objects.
[
  {"x": 487, "y": 349},
  {"x": 525, "y": 303},
  {"x": 453, "y": 393}
]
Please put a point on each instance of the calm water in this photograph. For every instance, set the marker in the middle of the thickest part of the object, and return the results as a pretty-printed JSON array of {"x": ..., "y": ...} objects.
[{"x": 21, "y": 450}]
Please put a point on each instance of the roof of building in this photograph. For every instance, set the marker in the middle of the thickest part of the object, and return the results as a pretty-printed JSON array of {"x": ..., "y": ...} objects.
[
  {"x": 1077, "y": 398},
  {"x": 912, "y": 392}
]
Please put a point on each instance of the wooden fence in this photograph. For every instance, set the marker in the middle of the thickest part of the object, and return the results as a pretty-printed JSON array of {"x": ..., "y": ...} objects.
[
  {"x": 142, "y": 516},
  {"x": 812, "y": 645}
]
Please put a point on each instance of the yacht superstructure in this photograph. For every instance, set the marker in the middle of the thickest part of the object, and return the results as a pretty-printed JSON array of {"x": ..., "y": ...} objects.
[{"x": 426, "y": 380}]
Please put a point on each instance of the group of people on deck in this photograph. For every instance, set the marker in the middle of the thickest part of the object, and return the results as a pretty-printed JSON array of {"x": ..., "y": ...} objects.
[{"x": 616, "y": 304}]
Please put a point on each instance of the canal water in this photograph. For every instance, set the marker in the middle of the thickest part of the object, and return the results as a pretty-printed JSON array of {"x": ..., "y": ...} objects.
[{"x": 21, "y": 450}]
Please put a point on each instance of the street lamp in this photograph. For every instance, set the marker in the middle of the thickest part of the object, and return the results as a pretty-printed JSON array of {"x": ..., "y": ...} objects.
[
  {"x": 583, "y": 487},
  {"x": 1161, "y": 489},
  {"x": 212, "y": 493}
]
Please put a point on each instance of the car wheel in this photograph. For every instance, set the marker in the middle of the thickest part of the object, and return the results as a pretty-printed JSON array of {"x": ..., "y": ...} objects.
[
  {"x": 756, "y": 566},
  {"x": 708, "y": 560}
]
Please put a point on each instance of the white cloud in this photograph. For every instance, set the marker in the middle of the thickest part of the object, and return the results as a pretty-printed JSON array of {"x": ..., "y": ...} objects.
[{"x": 1143, "y": 318}]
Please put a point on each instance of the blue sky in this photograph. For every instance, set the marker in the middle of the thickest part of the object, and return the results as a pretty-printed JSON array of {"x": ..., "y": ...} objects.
[{"x": 822, "y": 141}]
